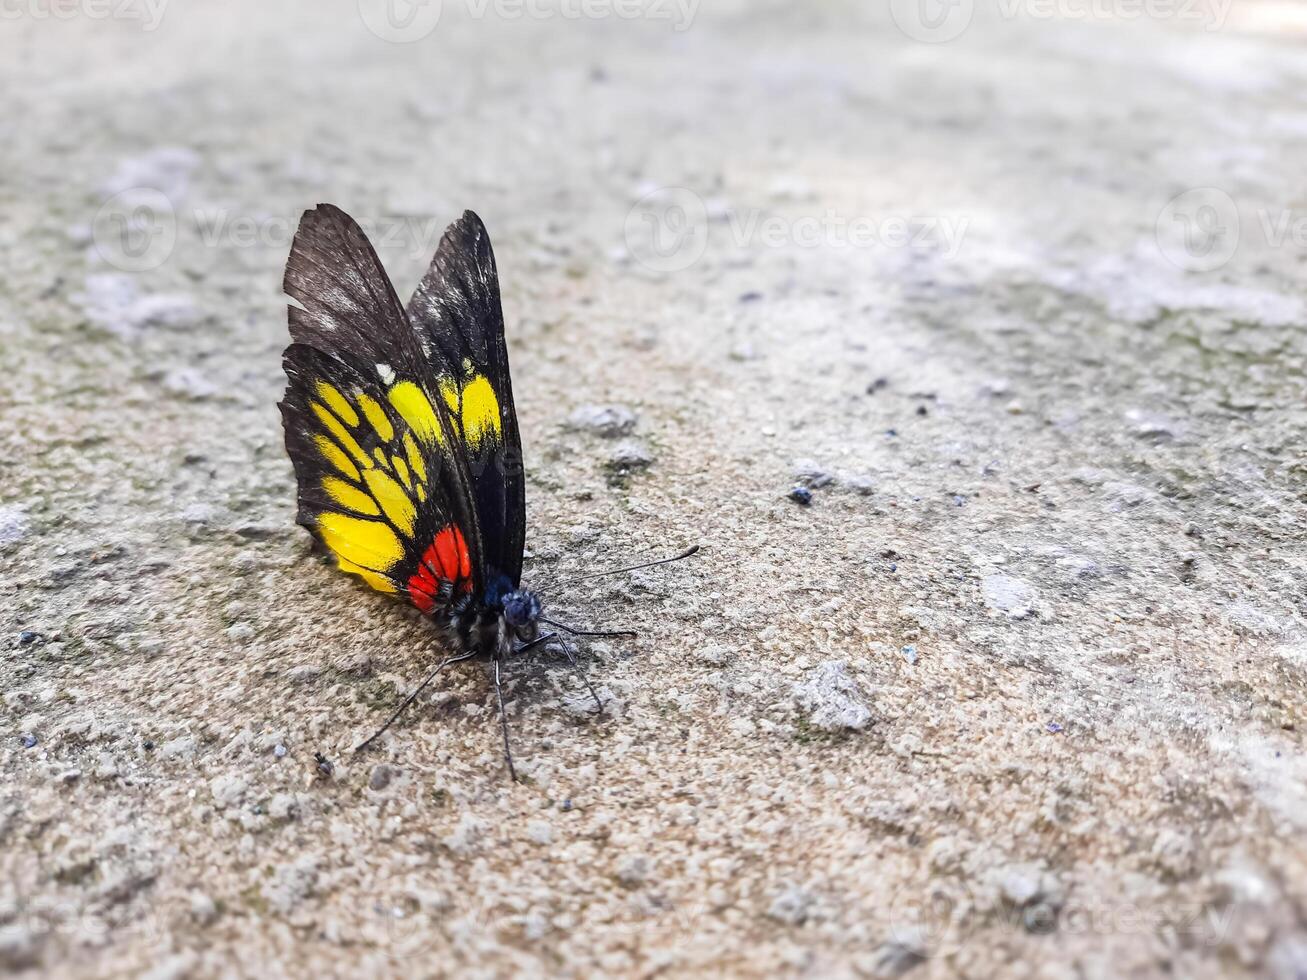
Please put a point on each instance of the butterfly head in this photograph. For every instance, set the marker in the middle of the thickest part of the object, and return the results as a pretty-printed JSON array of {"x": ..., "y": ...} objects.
[{"x": 521, "y": 610}]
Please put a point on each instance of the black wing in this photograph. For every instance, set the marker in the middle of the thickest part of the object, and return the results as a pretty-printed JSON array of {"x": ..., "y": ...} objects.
[
  {"x": 383, "y": 482},
  {"x": 460, "y": 323}
]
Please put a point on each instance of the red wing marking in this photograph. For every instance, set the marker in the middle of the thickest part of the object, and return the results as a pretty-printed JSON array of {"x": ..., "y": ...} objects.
[{"x": 446, "y": 560}]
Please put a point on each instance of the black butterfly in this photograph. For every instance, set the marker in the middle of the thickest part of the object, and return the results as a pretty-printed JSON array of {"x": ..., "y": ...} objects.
[{"x": 400, "y": 425}]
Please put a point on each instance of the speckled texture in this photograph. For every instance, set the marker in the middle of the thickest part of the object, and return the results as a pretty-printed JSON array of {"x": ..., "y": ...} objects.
[{"x": 1052, "y": 567}]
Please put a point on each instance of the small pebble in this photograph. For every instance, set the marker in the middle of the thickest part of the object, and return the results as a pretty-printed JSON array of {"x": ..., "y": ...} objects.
[
  {"x": 382, "y": 776},
  {"x": 279, "y": 751},
  {"x": 832, "y": 700},
  {"x": 605, "y": 421},
  {"x": 240, "y": 632},
  {"x": 801, "y": 495},
  {"x": 28, "y": 638},
  {"x": 630, "y": 455},
  {"x": 922, "y": 410},
  {"x": 791, "y": 907},
  {"x": 877, "y": 385},
  {"x": 540, "y": 832},
  {"x": 323, "y": 765},
  {"x": 29, "y": 740},
  {"x": 1053, "y": 728},
  {"x": 633, "y": 872},
  {"x": 811, "y": 475},
  {"x": 910, "y": 654}
]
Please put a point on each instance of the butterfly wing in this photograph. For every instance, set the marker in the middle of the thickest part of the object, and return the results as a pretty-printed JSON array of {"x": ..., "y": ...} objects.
[
  {"x": 457, "y": 315},
  {"x": 383, "y": 481}
]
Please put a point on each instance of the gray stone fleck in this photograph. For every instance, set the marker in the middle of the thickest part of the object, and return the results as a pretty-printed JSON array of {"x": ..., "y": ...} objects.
[
  {"x": 383, "y": 774},
  {"x": 1008, "y": 595},
  {"x": 228, "y": 790},
  {"x": 241, "y": 632},
  {"x": 540, "y": 832},
  {"x": 606, "y": 421},
  {"x": 633, "y": 871},
  {"x": 895, "y": 958},
  {"x": 832, "y": 699},
  {"x": 811, "y": 474},
  {"x": 714, "y": 655},
  {"x": 113, "y": 302},
  {"x": 292, "y": 883},
  {"x": 791, "y": 906},
  {"x": 304, "y": 673},
  {"x": 630, "y": 454},
  {"x": 166, "y": 169},
  {"x": 203, "y": 909},
  {"x": 19, "y": 946},
  {"x": 284, "y": 806},
  {"x": 177, "y": 747},
  {"x": 13, "y": 524},
  {"x": 188, "y": 383}
]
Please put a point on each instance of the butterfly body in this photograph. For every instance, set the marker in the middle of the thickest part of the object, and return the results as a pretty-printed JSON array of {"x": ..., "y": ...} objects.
[
  {"x": 400, "y": 423},
  {"x": 494, "y": 629}
]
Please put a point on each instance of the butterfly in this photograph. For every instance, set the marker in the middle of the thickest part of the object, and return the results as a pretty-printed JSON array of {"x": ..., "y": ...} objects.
[{"x": 400, "y": 424}]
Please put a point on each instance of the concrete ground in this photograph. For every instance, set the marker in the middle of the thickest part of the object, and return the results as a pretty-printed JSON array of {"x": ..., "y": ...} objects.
[{"x": 1014, "y": 290}]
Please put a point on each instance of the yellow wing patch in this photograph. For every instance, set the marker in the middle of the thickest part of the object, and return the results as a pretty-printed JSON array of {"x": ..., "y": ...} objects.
[
  {"x": 414, "y": 407},
  {"x": 375, "y": 496},
  {"x": 376, "y": 417},
  {"x": 368, "y": 544},
  {"x": 475, "y": 407}
]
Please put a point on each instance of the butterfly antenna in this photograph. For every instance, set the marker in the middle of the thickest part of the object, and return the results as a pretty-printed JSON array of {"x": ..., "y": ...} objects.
[
  {"x": 409, "y": 700},
  {"x": 503, "y": 722},
  {"x": 575, "y": 632},
  {"x": 631, "y": 568}
]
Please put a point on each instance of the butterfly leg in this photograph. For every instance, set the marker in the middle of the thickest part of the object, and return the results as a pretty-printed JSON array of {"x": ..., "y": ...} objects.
[
  {"x": 576, "y": 632},
  {"x": 571, "y": 659},
  {"x": 543, "y": 638},
  {"x": 409, "y": 700},
  {"x": 503, "y": 722}
]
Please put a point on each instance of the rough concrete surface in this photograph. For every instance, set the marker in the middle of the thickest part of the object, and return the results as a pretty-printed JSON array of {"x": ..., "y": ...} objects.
[{"x": 992, "y": 663}]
